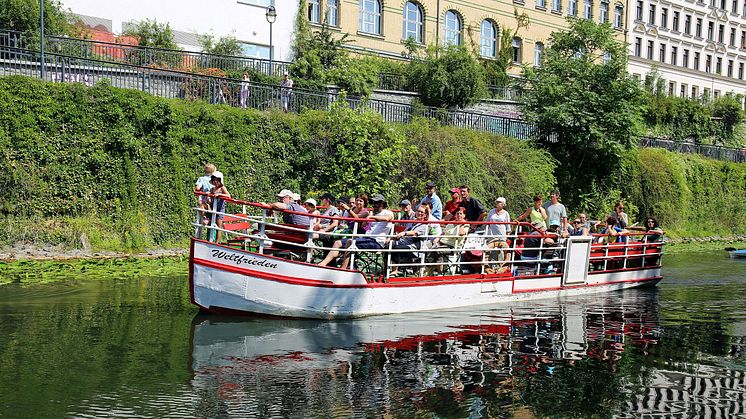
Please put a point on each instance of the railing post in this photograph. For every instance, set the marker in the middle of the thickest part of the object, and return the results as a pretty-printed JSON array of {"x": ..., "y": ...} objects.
[
  {"x": 353, "y": 246},
  {"x": 262, "y": 235},
  {"x": 213, "y": 236}
]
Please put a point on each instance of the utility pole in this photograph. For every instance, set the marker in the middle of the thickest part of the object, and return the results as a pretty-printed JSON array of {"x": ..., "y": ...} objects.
[{"x": 41, "y": 35}]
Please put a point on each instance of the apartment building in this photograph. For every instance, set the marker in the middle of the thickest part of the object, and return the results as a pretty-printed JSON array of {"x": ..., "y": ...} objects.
[
  {"x": 698, "y": 48},
  {"x": 244, "y": 19},
  {"x": 379, "y": 27}
]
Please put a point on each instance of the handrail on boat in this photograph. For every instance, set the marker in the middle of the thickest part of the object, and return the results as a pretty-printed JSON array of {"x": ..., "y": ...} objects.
[{"x": 257, "y": 228}]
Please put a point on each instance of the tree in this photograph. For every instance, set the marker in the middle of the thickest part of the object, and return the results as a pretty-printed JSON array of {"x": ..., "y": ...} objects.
[
  {"x": 449, "y": 77},
  {"x": 23, "y": 16},
  {"x": 225, "y": 45},
  {"x": 585, "y": 104},
  {"x": 727, "y": 109},
  {"x": 150, "y": 33}
]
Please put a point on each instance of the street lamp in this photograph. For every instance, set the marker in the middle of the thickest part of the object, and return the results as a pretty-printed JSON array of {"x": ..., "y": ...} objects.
[{"x": 271, "y": 17}]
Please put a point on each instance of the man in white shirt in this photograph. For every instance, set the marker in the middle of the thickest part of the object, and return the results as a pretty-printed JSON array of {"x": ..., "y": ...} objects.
[{"x": 497, "y": 233}]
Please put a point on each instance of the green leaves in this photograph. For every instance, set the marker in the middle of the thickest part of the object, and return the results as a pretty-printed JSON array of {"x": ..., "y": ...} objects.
[{"x": 449, "y": 77}]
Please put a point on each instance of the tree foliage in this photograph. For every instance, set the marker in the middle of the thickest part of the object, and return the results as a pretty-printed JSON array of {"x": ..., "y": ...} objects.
[
  {"x": 584, "y": 102},
  {"x": 729, "y": 114},
  {"x": 150, "y": 33},
  {"x": 449, "y": 76},
  {"x": 225, "y": 45},
  {"x": 23, "y": 16}
]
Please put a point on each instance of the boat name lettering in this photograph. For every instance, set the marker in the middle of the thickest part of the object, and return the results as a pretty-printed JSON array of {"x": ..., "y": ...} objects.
[{"x": 241, "y": 259}]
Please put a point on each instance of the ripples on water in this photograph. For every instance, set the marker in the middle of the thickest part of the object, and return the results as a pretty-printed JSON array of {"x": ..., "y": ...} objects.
[{"x": 135, "y": 348}]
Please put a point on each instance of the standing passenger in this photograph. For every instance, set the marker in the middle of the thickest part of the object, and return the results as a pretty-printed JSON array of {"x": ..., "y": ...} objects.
[
  {"x": 222, "y": 192},
  {"x": 556, "y": 210},
  {"x": 450, "y": 207},
  {"x": 433, "y": 199},
  {"x": 536, "y": 213},
  {"x": 475, "y": 211}
]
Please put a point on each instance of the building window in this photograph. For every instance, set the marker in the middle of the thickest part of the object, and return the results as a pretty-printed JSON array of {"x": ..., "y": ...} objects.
[
  {"x": 671, "y": 88},
  {"x": 718, "y": 66},
  {"x": 722, "y": 4},
  {"x": 618, "y": 16},
  {"x": 538, "y": 54},
  {"x": 688, "y": 24},
  {"x": 254, "y": 51},
  {"x": 603, "y": 12},
  {"x": 557, "y": 6},
  {"x": 588, "y": 9},
  {"x": 696, "y": 61},
  {"x": 721, "y": 33},
  {"x": 332, "y": 12},
  {"x": 488, "y": 39},
  {"x": 413, "y": 23},
  {"x": 732, "y": 40},
  {"x": 706, "y": 94},
  {"x": 734, "y": 7},
  {"x": 674, "y": 55},
  {"x": 730, "y": 68},
  {"x": 708, "y": 63},
  {"x": 664, "y": 17},
  {"x": 662, "y": 53},
  {"x": 572, "y": 7},
  {"x": 453, "y": 27},
  {"x": 740, "y": 71},
  {"x": 675, "y": 22},
  {"x": 370, "y": 17},
  {"x": 685, "y": 58},
  {"x": 651, "y": 44},
  {"x": 743, "y": 39},
  {"x": 314, "y": 11},
  {"x": 698, "y": 32},
  {"x": 638, "y": 12},
  {"x": 516, "y": 45},
  {"x": 651, "y": 15},
  {"x": 710, "y": 31},
  {"x": 541, "y": 4},
  {"x": 638, "y": 47},
  {"x": 682, "y": 92}
]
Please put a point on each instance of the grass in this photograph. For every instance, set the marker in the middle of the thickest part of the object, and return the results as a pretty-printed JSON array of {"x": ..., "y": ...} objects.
[{"x": 45, "y": 271}]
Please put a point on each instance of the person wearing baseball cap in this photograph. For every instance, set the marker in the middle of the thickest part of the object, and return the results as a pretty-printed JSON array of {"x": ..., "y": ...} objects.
[
  {"x": 449, "y": 209},
  {"x": 286, "y": 202},
  {"x": 497, "y": 234},
  {"x": 375, "y": 237},
  {"x": 433, "y": 199},
  {"x": 405, "y": 210}
]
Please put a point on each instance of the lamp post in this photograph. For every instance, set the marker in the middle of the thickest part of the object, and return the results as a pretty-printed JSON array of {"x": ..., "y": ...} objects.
[
  {"x": 41, "y": 37},
  {"x": 271, "y": 17}
]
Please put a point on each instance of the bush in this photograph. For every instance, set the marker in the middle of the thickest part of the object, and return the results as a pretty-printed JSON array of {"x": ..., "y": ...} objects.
[{"x": 449, "y": 77}]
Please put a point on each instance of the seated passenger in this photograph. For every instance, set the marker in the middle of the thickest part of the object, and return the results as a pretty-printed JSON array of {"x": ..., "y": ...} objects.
[
  {"x": 620, "y": 215},
  {"x": 533, "y": 242},
  {"x": 652, "y": 226},
  {"x": 374, "y": 238},
  {"x": 497, "y": 233},
  {"x": 326, "y": 225},
  {"x": 452, "y": 238},
  {"x": 405, "y": 212},
  {"x": 410, "y": 239},
  {"x": 612, "y": 232},
  {"x": 285, "y": 202},
  {"x": 310, "y": 206},
  {"x": 577, "y": 228}
]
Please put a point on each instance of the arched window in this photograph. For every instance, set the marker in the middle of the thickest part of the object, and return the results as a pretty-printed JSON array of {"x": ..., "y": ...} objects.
[
  {"x": 332, "y": 12},
  {"x": 538, "y": 54},
  {"x": 370, "y": 16},
  {"x": 313, "y": 11},
  {"x": 488, "y": 39},
  {"x": 413, "y": 23},
  {"x": 618, "y": 16},
  {"x": 453, "y": 27},
  {"x": 516, "y": 44}
]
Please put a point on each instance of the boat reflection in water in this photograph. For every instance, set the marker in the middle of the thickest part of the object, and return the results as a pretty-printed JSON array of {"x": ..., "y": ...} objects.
[{"x": 578, "y": 356}]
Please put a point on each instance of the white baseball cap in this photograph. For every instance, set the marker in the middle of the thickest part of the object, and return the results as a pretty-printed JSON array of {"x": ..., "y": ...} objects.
[
  {"x": 283, "y": 193},
  {"x": 217, "y": 174},
  {"x": 311, "y": 201},
  {"x": 501, "y": 199},
  {"x": 296, "y": 196}
]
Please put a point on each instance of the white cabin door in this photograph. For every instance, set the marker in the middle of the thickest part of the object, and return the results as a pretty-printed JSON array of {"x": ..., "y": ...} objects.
[{"x": 576, "y": 260}]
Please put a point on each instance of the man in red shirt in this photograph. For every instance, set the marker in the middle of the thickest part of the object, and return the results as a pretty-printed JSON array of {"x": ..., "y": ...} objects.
[{"x": 450, "y": 207}]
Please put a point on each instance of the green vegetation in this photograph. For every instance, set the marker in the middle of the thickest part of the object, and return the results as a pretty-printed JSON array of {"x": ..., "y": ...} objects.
[
  {"x": 583, "y": 96},
  {"x": 150, "y": 33},
  {"x": 118, "y": 166},
  {"x": 225, "y": 45},
  {"x": 449, "y": 77},
  {"x": 23, "y": 16}
]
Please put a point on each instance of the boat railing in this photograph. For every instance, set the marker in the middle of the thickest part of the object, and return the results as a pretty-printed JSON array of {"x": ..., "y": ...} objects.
[{"x": 258, "y": 227}]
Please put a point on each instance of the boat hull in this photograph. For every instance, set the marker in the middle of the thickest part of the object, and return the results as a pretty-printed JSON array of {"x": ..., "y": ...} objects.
[{"x": 226, "y": 279}]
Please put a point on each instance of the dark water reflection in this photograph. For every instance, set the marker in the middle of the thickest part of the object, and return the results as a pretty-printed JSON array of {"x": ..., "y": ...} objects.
[{"x": 129, "y": 348}]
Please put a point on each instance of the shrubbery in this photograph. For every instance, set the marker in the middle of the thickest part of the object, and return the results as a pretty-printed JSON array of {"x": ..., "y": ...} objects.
[{"x": 119, "y": 165}]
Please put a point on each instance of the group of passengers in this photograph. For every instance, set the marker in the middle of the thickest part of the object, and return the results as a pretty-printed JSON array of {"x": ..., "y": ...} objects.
[{"x": 376, "y": 228}]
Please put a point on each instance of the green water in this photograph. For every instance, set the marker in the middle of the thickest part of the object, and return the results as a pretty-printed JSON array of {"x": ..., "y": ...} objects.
[{"x": 134, "y": 347}]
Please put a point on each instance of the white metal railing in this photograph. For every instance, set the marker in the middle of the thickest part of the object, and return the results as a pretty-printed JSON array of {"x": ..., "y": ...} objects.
[{"x": 260, "y": 230}]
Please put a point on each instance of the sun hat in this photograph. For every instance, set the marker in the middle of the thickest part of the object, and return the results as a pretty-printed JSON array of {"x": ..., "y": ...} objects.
[{"x": 283, "y": 193}]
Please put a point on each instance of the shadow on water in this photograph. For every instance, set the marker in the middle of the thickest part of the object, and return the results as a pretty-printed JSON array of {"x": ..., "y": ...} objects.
[{"x": 136, "y": 348}]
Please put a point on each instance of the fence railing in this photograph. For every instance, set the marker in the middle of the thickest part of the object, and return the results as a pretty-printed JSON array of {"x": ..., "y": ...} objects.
[
  {"x": 736, "y": 155},
  {"x": 180, "y": 84},
  {"x": 143, "y": 56},
  {"x": 399, "y": 82}
]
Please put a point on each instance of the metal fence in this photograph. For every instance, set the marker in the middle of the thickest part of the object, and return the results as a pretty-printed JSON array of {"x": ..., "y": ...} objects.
[
  {"x": 179, "y": 84},
  {"x": 402, "y": 83},
  {"x": 737, "y": 155},
  {"x": 142, "y": 56}
]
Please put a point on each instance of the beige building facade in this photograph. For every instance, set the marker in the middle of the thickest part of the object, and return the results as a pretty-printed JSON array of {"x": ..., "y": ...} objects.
[{"x": 381, "y": 26}]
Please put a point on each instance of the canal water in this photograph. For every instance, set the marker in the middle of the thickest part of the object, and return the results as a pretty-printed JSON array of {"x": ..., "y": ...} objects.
[{"x": 136, "y": 348}]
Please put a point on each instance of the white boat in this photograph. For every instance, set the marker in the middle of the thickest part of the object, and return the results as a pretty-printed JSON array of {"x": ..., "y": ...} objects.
[{"x": 266, "y": 267}]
